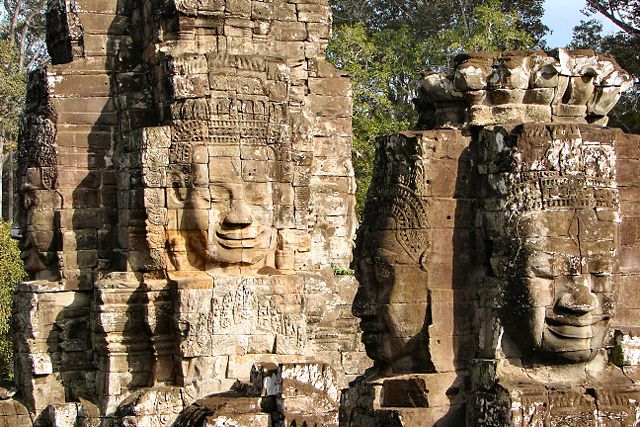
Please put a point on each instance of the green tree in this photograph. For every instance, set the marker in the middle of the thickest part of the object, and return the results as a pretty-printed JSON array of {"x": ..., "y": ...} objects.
[
  {"x": 22, "y": 28},
  {"x": 23, "y": 23},
  {"x": 12, "y": 92},
  {"x": 427, "y": 19},
  {"x": 385, "y": 65},
  {"x": 489, "y": 28},
  {"x": 11, "y": 272}
]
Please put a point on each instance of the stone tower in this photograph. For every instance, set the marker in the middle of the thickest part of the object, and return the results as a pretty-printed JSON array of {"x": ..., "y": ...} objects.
[
  {"x": 186, "y": 193},
  {"x": 498, "y": 253}
]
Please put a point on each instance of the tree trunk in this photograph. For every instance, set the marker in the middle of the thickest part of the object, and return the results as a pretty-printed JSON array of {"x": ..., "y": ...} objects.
[
  {"x": 1, "y": 180},
  {"x": 10, "y": 171}
]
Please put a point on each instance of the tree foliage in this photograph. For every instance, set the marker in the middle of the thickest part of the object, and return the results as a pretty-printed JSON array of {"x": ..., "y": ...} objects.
[
  {"x": 384, "y": 66},
  {"x": 386, "y": 58},
  {"x": 23, "y": 23},
  {"x": 22, "y": 48},
  {"x": 11, "y": 272},
  {"x": 428, "y": 19},
  {"x": 489, "y": 28},
  {"x": 12, "y": 90}
]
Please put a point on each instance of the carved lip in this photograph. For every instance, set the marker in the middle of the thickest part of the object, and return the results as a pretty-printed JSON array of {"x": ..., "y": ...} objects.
[
  {"x": 241, "y": 238},
  {"x": 370, "y": 328},
  {"x": 574, "y": 327},
  {"x": 575, "y": 332},
  {"x": 575, "y": 321}
]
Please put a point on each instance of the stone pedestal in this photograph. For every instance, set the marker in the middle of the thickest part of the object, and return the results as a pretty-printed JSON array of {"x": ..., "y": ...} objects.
[{"x": 406, "y": 400}]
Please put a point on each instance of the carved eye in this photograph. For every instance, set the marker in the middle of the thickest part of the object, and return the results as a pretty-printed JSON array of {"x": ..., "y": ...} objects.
[
  {"x": 383, "y": 268},
  {"x": 220, "y": 194}
]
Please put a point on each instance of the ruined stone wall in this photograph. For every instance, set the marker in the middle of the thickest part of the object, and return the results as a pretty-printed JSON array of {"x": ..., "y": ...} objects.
[{"x": 186, "y": 192}]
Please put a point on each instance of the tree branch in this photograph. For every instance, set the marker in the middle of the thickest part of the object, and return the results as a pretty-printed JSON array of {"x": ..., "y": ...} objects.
[
  {"x": 610, "y": 13},
  {"x": 14, "y": 20}
]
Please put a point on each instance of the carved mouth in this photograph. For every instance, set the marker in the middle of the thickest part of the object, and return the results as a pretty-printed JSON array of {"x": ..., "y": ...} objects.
[
  {"x": 577, "y": 321},
  {"x": 573, "y": 332},
  {"x": 583, "y": 327},
  {"x": 240, "y": 238},
  {"x": 370, "y": 331}
]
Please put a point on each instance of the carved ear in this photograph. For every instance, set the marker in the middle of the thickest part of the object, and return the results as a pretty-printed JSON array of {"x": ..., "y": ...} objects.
[{"x": 423, "y": 260}]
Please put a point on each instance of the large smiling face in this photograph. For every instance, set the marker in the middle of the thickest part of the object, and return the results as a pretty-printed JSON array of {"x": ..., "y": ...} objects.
[
  {"x": 561, "y": 291},
  {"x": 221, "y": 204},
  {"x": 231, "y": 221}
]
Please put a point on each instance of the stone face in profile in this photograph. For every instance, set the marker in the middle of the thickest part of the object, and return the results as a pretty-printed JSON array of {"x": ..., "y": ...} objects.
[
  {"x": 414, "y": 262},
  {"x": 551, "y": 242},
  {"x": 556, "y": 239},
  {"x": 389, "y": 249}
]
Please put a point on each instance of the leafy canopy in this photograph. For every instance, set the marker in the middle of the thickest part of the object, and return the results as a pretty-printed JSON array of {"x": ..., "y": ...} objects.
[
  {"x": 385, "y": 61},
  {"x": 11, "y": 272},
  {"x": 12, "y": 91}
]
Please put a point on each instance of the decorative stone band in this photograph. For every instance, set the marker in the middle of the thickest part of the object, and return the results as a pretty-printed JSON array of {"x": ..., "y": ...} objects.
[
  {"x": 537, "y": 191},
  {"x": 397, "y": 191},
  {"x": 487, "y": 88}
]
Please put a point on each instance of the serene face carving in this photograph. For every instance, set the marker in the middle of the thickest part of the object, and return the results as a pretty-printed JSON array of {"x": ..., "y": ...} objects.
[
  {"x": 238, "y": 232},
  {"x": 561, "y": 292},
  {"x": 232, "y": 220},
  {"x": 391, "y": 301},
  {"x": 556, "y": 253},
  {"x": 237, "y": 227}
]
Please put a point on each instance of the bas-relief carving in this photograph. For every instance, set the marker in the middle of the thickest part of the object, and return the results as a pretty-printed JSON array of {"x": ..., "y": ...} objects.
[
  {"x": 37, "y": 182},
  {"x": 229, "y": 160},
  {"x": 240, "y": 309},
  {"x": 556, "y": 240}
]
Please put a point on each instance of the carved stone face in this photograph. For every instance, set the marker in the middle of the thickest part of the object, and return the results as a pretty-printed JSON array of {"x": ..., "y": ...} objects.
[
  {"x": 231, "y": 164},
  {"x": 233, "y": 219},
  {"x": 391, "y": 301},
  {"x": 561, "y": 292}
]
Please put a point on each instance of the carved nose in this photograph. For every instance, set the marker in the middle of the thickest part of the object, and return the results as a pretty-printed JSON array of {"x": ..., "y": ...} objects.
[
  {"x": 578, "y": 300},
  {"x": 240, "y": 214},
  {"x": 363, "y": 304}
]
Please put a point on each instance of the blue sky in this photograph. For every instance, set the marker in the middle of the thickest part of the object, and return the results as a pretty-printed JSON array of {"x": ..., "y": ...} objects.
[{"x": 562, "y": 15}]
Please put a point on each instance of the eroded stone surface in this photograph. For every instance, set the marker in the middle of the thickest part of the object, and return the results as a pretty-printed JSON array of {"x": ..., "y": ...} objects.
[
  {"x": 186, "y": 192},
  {"x": 487, "y": 88},
  {"x": 543, "y": 273},
  {"x": 415, "y": 260}
]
